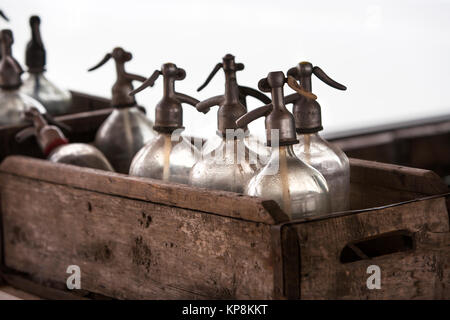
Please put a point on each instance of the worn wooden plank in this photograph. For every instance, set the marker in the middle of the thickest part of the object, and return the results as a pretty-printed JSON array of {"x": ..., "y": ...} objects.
[
  {"x": 421, "y": 275},
  {"x": 291, "y": 263},
  {"x": 84, "y": 124},
  {"x": 379, "y": 135},
  {"x": 11, "y": 293},
  {"x": 376, "y": 184},
  {"x": 396, "y": 177},
  {"x": 430, "y": 153},
  {"x": 7, "y": 296},
  {"x": 417, "y": 273},
  {"x": 373, "y": 184},
  {"x": 45, "y": 289},
  {"x": 217, "y": 202},
  {"x": 364, "y": 196},
  {"x": 128, "y": 248},
  {"x": 82, "y": 102},
  {"x": 420, "y": 144}
]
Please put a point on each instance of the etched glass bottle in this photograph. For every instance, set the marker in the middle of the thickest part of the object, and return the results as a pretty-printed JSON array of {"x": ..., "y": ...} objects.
[
  {"x": 242, "y": 92},
  {"x": 127, "y": 129},
  {"x": 227, "y": 163},
  {"x": 13, "y": 103},
  {"x": 312, "y": 148},
  {"x": 169, "y": 156},
  {"x": 298, "y": 188},
  {"x": 230, "y": 166}
]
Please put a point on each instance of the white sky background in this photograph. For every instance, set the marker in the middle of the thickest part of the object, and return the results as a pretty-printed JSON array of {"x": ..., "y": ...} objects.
[{"x": 394, "y": 56}]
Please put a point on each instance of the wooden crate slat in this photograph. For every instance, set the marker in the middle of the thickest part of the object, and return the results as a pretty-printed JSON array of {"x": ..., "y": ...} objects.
[
  {"x": 396, "y": 177},
  {"x": 82, "y": 102},
  {"x": 422, "y": 143},
  {"x": 179, "y": 195},
  {"x": 128, "y": 248},
  {"x": 418, "y": 273}
]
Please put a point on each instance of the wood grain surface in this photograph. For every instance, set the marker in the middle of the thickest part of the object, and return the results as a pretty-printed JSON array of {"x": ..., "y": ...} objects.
[{"x": 138, "y": 238}]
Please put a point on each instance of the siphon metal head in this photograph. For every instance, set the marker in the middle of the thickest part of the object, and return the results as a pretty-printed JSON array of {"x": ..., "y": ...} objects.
[
  {"x": 169, "y": 111},
  {"x": 123, "y": 86},
  {"x": 307, "y": 112},
  {"x": 278, "y": 118}
]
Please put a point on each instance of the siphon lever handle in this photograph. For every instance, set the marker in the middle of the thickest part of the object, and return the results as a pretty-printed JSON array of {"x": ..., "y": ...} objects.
[
  {"x": 247, "y": 91},
  {"x": 149, "y": 82},
  {"x": 303, "y": 72},
  {"x": 205, "y": 105},
  {"x": 325, "y": 78},
  {"x": 102, "y": 62},
  {"x": 250, "y": 116},
  {"x": 210, "y": 76},
  {"x": 299, "y": 89},
  {"x": 2, "y": 14}
]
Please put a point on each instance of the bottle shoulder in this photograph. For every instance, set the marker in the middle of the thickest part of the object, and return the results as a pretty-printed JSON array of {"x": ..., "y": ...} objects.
[
  {"x": 16, "y": 100},
  {"x": 156, "y": 147},
  {"x": 39, "y": 85},
  {"x": 80, "y": 154},
  {"x": 55, "y": 100},
  {"x": 297, "y": 170},
  {"x": 122, "y": 124},
  {"x": 211, "y": 144},
  {"x": 75, "y": 149},
  {"x": 128, "y": 117},
  {"x": 319, "y": 152},
  {"x": 163, "y": 152},
  {"x": 228, "y": 153}
]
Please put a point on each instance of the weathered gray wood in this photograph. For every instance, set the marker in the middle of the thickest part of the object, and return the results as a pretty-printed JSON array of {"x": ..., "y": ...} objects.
[
  {"x": 396, "y": 177},
  {"x": 142, "y": 238},
  {"x": 46, "y": 290},
  {"x": 127, "y": 248},
  {"x": 420, "y": 144},
  {"x": 376, "y": 184},
  {"x": 406, "y": 129},
  {"x": 373, "y": 184},
  {"x": 84, "y": 125},
  {"x": 418, "y": 274},
  {"x": 10, "y": 293},
  {"x": 217, "y": 202},
  {"x": 82, "y": 102}
]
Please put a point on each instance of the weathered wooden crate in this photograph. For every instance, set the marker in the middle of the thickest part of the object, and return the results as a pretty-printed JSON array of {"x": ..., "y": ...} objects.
[
  {"x": 146, "y": 239},
  {"x": 422, "y": 144},
  {"x": 88, "y": 112}
]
